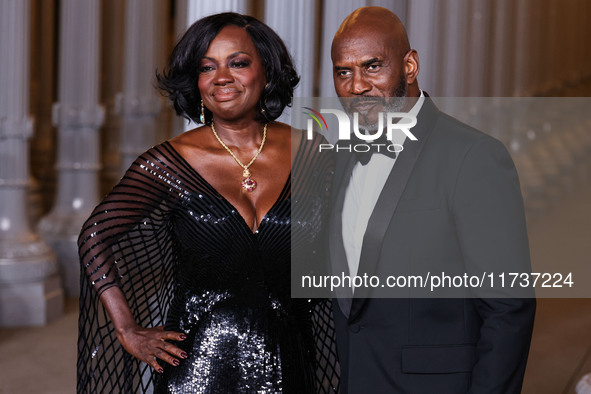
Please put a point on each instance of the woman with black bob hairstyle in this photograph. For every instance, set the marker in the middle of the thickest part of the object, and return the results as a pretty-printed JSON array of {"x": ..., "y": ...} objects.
[
  {"x": 186, "y": 275},
  {"x": 179, "y": 82}
]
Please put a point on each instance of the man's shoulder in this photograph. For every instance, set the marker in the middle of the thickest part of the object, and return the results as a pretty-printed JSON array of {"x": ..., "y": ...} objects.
[{"x": 451, "y": 132}]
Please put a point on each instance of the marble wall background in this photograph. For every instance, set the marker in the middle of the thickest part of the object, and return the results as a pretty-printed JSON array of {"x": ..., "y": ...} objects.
[{"x": 81, "y": 105}]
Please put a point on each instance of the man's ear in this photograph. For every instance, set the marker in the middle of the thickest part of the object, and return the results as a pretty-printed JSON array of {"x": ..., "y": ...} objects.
[{"x": 411, "y": 66}]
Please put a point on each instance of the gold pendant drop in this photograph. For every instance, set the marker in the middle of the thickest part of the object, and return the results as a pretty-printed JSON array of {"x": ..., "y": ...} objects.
[{"x": 248, "y": 183}]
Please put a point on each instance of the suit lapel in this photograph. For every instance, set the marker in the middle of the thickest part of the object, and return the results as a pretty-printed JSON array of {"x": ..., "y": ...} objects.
[
  {"x": 344, "y": 166},
  {"x": 388, "y": 201}
]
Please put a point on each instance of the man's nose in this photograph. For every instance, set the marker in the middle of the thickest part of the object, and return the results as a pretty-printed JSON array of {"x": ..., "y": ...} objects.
[
  {"x": 359, "y": 84},
  {"x": 223, "y": 76}
]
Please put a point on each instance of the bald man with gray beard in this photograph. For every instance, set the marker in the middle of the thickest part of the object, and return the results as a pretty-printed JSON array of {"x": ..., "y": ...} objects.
[{"x": 449, "y": 201}]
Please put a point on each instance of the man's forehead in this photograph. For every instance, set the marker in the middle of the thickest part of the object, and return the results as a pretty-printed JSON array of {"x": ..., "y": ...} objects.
[{"x": 359, "y": 49}]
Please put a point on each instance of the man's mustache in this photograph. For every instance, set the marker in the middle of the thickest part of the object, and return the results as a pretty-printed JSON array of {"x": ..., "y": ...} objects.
[{"x": 364, "y": 101}]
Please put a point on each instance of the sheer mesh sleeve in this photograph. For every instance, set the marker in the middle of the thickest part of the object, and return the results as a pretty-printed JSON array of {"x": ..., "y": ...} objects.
[
  {"x": 327, "y": 363},
  {"x": 312, "y": 175},
  {"x": 127, "y": 242}
]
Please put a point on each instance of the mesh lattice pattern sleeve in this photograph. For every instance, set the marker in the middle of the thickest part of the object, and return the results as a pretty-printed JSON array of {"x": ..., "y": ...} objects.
[{"x": 127, "y": 242}]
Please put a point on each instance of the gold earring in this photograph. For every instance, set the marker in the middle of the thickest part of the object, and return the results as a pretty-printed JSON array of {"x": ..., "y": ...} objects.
[
  {"x": 263, "y": 107},
  {"x": 202, "y": 116}
]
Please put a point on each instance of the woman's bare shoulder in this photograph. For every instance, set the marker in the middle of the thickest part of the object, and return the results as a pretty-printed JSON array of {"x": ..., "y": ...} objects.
[{"x": 190, "y": 140}]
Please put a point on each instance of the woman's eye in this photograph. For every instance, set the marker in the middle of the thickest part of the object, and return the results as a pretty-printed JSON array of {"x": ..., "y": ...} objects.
[
  {"x": 239, "y": 64},
  {"x": 204, "y": 69}
]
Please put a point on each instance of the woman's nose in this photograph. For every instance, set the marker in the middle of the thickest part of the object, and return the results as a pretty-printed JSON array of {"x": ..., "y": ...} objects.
[{"x": 223, "y": 76}]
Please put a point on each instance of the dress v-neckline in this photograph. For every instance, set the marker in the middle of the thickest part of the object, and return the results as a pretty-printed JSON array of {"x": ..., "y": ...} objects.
[{"x": 223, "y": 198}]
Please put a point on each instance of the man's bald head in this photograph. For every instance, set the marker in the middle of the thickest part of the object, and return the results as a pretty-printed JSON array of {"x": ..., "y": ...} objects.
[
  {"x": 377, "y": 21},
  {"x": 374, "y": 65}
]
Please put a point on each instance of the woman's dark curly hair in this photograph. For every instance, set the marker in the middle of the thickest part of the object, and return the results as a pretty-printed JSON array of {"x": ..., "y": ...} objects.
[{"x": 179, "y": 80}]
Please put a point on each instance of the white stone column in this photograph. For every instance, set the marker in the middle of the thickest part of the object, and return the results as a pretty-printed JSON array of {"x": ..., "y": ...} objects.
[
  {"x": 294, "y": 21},
  {"x": 189, "y": 11},
  {"x": 30, "y": 290},
  {"x": 78, "y": 115},
  {"x": 453, "y": 59},
  {"x": 479, "y": 48},
  {"x": 423, "y": 29},
  {"x": 479, "y": 112},
  {"x": 334, "y": 13},
  {"x": 112, "y": 66},
  {"x": 163, "y": 43},
  {"x": 41, "y": 145},
  {"x": 139, "y": 104},
  {"x": 502, "y": 49}
]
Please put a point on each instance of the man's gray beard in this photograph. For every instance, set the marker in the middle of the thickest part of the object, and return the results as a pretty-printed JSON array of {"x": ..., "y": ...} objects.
[{"x": 391, "y": 104}]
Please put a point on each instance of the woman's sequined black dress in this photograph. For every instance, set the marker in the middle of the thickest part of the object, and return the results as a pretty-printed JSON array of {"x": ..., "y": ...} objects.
[{"x": 186, "y": 259}]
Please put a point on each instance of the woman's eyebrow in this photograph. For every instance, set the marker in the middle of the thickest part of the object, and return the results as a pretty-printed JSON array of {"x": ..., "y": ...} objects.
[{"x": 229, "y": 56}]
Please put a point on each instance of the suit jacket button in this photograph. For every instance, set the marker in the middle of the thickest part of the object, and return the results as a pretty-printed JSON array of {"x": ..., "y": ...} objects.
[{"x": 354, "y": 328}]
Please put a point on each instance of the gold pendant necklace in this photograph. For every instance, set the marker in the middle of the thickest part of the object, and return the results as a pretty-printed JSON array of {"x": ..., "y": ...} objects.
[{"x": 248, "y": 183}]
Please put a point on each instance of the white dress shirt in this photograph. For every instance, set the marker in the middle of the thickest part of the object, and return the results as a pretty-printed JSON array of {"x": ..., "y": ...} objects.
[{"x": 361, "y": 196}]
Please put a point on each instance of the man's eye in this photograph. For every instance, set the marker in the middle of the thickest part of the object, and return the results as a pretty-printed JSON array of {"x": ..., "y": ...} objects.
[
  {"x": 343, "y": 73},
  {"x": 373, "y": 67}
]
